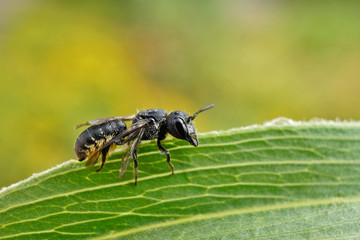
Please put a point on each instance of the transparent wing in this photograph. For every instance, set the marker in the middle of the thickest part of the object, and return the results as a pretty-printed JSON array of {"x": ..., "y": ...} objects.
[
  {"x": 131, "y": 136},
  {"x": 125, "y": 161},
  {"x": 104, "y": 120},
  {"x": 133, "y": 145},
  {"x": 130, "y": 133}
]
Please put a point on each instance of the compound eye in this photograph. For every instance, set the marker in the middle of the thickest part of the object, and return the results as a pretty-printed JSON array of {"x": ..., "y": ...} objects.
[{"x": 181, "y": 129}]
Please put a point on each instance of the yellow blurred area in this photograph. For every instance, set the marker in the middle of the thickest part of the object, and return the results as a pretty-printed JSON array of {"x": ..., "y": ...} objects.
[{"x": 66, "y": 62}]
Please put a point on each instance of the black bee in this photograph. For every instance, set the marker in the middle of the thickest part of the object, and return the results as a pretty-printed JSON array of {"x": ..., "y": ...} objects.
[{"x": 149, "y": 124}]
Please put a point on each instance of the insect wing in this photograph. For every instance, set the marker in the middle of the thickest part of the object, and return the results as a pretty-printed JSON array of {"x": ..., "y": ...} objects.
[
  {"x": 131, "y": 133},
  {"x": 125, "y": 161},
  {"x": 104, "y": 120},
  {"x": 133, "y": 144}
]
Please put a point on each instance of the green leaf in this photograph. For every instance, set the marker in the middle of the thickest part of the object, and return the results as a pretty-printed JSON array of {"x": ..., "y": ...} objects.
[{"x": 282, "y": 180}]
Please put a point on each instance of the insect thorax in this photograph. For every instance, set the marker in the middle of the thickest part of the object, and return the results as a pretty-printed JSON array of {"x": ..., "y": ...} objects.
[{"x": 159, "y": 117}]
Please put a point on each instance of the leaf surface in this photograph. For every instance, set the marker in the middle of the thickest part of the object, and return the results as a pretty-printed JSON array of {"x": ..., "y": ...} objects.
[{"x": 291, "y": 180}]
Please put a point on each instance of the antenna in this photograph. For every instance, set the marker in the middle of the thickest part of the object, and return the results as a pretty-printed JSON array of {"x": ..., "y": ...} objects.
[{"x": 201, "y": 110}]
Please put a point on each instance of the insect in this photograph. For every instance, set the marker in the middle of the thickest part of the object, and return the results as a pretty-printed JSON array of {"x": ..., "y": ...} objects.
[{"x": 104, "y": 134}]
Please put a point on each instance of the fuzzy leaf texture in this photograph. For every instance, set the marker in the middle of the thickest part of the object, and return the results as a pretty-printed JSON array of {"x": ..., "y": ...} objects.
[{"x": 281, "y": 180}]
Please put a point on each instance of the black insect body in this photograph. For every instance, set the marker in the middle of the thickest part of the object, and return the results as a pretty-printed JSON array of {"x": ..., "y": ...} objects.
[
  {"x": 95, "y": 137},
  {"x": 147, "y": 125},
  {"x": 152, "y": 130}
]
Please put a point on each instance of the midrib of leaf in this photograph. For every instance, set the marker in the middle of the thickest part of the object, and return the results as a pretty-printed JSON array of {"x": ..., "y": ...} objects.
[{"x": 306, "y": 165}]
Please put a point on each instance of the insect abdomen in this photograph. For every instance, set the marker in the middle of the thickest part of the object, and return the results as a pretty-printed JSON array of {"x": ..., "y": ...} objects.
[{"x": 95, "y": 137}]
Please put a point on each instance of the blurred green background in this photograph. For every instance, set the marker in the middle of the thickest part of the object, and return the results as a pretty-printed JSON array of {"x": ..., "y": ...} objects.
[{"x": 66, "y": 62}]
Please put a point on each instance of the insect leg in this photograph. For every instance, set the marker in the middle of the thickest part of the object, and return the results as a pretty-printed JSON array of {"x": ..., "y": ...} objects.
[
  {"x": 133, "y": 152},
  {"x": 134, "y": 155},
  {"x": 103, "y": 157},
  {"x": 164, "y": 151}
]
